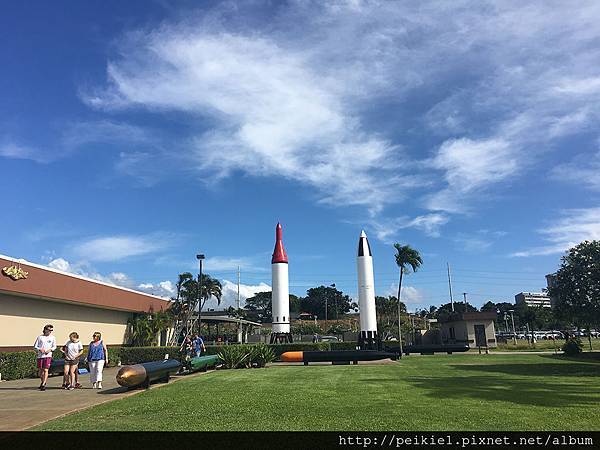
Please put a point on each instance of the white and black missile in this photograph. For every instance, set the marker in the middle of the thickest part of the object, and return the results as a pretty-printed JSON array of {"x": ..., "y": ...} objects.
[
  {"x": 280, "y": 299},
  {"x": 368, "y": 339}
]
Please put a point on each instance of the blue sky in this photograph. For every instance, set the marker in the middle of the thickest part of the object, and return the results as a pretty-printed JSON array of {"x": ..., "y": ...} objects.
[{"x": 135, "y": 134}]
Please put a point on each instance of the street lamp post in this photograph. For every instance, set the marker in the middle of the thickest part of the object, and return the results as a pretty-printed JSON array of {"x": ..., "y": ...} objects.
[
  {"x": 512, "y": 318},
  {"x": 335, "y": 300},
  {"x": 200, "y": 258}
]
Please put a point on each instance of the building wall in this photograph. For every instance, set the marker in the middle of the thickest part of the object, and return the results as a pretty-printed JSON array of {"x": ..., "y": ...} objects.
[
  {"x": 533, "y": 299},
  {"x": 464, "y": 331},
  {"x": 490, "y": 332},
  {"x": 22, "y": 320}
]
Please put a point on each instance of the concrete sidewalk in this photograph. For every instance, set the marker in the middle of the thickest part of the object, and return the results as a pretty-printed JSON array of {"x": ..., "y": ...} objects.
[{"x": 23, "y": 406}]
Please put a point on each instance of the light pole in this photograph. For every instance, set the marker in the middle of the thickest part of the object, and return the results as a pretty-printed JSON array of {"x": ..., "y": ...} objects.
[
  {"x": 335, "y": 300},
  {"x": 200, "y": 257},
  {"x": 512, "y": 318}
]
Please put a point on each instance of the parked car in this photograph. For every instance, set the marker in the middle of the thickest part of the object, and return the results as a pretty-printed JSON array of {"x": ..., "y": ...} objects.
[{"x": 327, "y": 339}]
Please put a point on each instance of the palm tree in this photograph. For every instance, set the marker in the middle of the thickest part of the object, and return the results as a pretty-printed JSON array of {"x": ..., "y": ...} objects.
[
  {"x": 407, "y": 258},
  {"x": 211, "y": 287}
]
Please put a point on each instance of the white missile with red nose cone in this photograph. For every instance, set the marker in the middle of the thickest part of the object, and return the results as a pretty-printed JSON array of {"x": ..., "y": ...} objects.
[
  {"x": 280, "y": 298},
  {"x": 368, "y": 339}
]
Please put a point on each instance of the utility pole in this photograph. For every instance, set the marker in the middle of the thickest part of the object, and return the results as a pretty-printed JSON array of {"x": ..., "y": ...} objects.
[
  {"x": 450, "y": 287},
  {"x": 238, "y": 308},
  {"x": 200, "y": 257},
  {"x": 512, "y": 318}
]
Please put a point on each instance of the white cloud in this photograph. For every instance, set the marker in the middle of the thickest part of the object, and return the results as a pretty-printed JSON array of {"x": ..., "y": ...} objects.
[
  {"x": 60, "y": 264},
  {"x": 115, "y": 248},
  {"x": 13, "y": 150},
  {"x": 164, "y": 289},
  {"x": 470, "y": 166},
  {"x": 295, "y": 94},
  {"x": 409, "y": 295},
  {"x": 85, "y": 270},
  {"x": 222, "y": 263},
  {"x": 584, "y": 170},
  {"x": 472, "y": 243},
  {"x": 386, "y": 229},
  {"x": 229, "y": 290},
  {"x": 572, "y": 227}
]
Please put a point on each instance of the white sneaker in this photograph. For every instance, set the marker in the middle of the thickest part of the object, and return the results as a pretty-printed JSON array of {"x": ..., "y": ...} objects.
[
  {"x": 95, "y": 385},
  {"x": 99, "y": 385}
]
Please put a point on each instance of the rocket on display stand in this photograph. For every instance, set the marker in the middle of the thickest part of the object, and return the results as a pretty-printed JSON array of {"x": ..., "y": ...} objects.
[
  {"x": 280, "y": 298},
  {"x": 368, "y": 338}
]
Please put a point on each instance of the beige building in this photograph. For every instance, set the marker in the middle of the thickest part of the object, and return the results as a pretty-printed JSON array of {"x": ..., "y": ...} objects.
[
  {"x": 473, "y": 328},
  {"x": 32, "y": 296},
  {"x": 534, "y": 299}
]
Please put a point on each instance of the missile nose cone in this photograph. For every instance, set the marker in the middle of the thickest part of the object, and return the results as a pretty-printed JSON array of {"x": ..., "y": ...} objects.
[
  {"x": 279, "y": 255},
  {"x": 364, "y": 248}
]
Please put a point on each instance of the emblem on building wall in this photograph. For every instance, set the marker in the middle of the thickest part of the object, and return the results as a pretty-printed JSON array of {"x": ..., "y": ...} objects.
[{"x": 14, "y": 272}]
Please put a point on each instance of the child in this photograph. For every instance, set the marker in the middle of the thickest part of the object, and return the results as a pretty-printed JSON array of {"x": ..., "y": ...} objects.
[
  {"x": 72, "y": 350},
  {"x": 44, "y": 345}
]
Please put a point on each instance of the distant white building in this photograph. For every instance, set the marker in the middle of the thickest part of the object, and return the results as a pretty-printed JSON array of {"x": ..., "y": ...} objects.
[
  {"x": 551, "y": 282},
  {"x": 535, "y": 299}
]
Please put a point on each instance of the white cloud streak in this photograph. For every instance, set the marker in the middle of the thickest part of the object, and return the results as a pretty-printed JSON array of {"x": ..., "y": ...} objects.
[
  {"x": 299, "y": 95},
  {"x": 573, "y": 227},
  {"x": 116, "y": 248}
]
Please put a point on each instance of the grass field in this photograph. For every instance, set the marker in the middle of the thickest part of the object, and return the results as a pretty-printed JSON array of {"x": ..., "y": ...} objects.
[
  {"x": 457, "y": 392},
  {"x": 543, "y": 345}
]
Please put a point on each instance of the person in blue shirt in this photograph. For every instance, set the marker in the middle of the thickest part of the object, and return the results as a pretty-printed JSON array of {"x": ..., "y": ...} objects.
[
  {"x": 198, "y": 344},
  {"x": 97, "y": 357}
]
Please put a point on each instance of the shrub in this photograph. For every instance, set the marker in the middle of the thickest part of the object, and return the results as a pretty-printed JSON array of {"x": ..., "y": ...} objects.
[
  {"x": 234, "y": 356},
  {"x": 339, "y": 328},
  {"x": 136, "y": 355},
  {"x": 278, "y": 349},
  {"x": 16, "y": 365},
  {"x": 572, "y": 347},
  {"x": 306, "y": 328},
  {"x": 260, "y": 355},
  {"x": 343, "y": 345}
]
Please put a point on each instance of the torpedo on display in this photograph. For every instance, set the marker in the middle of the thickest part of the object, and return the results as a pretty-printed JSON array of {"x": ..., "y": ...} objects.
[
  {"x": 145, "y": 373},
  {"x": 337, "y": 356},
  {"x": 203, "y": 363},
  {"x": 430, "y": 349}
]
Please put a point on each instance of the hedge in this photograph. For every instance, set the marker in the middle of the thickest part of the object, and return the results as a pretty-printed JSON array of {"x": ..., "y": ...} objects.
[
  {"x": 343, "y": 345},
  {"x": 278, "y": 349},
  {"x": 16, "y": 365}
]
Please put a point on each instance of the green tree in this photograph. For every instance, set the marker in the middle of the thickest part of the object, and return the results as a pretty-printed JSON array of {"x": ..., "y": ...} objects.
[
  {"x": 316, "y": 298},
  {"x": 576, "y": 287},
  {"x": 407, "y": 258},
  {"x": 259, "y": 307},
  {"x": 306, "y": 328},
  {"x": 445, "y": 312},
  {"x": 143, "y": 329},
  {"x": 295, "y": 305}
]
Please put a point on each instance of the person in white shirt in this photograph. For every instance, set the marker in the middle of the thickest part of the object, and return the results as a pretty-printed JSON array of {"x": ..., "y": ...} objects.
[
  {"x": 72, "y": 351},
  {"x": 44, "y": 345}
]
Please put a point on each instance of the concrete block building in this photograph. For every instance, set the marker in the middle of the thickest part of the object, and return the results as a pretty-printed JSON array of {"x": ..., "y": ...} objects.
[{"x": 473, "y": 328}]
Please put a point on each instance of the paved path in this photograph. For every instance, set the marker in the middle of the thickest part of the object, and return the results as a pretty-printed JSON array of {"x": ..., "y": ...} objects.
[{"x": 23, "y": 406}]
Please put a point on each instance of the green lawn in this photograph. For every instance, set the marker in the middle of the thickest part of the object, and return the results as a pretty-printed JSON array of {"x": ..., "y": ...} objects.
[
  {"x": 543, "y": 345},
  {"x": 445, "y": 392}
]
